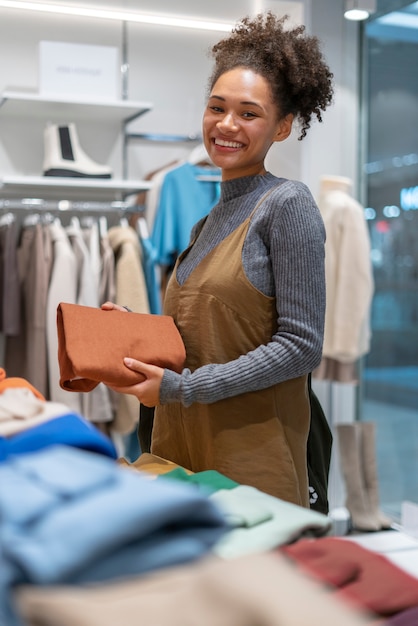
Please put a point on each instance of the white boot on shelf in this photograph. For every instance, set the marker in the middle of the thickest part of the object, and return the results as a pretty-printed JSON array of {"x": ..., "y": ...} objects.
[{"x": 63, "y": 155}]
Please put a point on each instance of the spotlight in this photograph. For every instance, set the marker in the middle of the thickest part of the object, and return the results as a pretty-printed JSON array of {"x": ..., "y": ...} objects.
[{"x": 359, "y": 9}]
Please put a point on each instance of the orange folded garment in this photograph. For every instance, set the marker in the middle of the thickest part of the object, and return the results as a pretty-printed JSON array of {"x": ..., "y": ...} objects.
[
  {"x": 17, "y": 383},
  {"x": 92, "y": 344}
]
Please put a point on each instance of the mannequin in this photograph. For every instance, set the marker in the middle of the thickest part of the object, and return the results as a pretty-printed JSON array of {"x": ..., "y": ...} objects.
[{"x": 349, "y": 281}]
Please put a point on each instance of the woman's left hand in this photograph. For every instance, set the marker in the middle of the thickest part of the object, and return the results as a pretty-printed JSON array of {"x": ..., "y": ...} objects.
[{"x": 147, "y": 391}]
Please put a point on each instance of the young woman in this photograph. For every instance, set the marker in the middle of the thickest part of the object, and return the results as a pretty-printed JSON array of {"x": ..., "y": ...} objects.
[{"x": 248, "y": 295}]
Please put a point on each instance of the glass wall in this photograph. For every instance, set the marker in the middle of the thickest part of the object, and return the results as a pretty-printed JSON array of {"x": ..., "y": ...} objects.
[{"x": 390, "y": 374}]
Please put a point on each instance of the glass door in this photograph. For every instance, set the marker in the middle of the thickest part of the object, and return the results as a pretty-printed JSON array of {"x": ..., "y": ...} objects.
[{"x": 390, "y": 372}]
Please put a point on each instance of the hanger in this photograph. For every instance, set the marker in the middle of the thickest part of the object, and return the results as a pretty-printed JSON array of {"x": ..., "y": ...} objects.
[
  {"x": 47, "y": 218},
  {"x": 75, "y": 222},
  {"x": 7, "y": 219},
  {"x": 31, "y": 220},
  {"x": 142, "y": 227},
  {"x": 102, "y": 226},
  {"x": 87, "y": 221},
  {"x": 199, "y": 156}
]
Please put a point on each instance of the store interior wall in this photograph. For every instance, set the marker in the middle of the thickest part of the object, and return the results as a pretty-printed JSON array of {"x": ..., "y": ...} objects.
[
  {"x": 169, "y": 67},
  {"x": 332, "y": 148}
]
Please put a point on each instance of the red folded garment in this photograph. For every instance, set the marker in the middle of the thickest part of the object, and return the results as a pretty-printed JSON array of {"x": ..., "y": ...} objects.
[
  {"x": 358, "y": 575},
  {"x": 92, "y": 344}
]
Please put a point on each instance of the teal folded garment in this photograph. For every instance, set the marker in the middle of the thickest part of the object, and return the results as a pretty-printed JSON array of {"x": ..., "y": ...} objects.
[{"x": 209, "y": 480}]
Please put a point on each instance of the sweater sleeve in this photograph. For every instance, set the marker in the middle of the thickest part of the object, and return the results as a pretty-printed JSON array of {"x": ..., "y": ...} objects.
[{"x": 293, "y": 232}]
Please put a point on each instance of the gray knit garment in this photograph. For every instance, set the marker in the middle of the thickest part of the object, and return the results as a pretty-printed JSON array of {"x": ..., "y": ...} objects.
[{"x": 283, "y": 256}]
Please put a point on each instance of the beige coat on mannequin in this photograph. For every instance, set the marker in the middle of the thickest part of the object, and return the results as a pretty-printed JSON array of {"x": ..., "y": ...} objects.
[{"x": 349, "y": 279}]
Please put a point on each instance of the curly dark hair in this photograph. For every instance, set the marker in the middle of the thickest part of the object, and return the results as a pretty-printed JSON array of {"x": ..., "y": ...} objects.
[{"x": 289, "y": 59}]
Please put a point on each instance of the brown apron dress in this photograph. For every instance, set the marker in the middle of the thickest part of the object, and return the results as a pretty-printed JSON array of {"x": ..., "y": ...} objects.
[{"x": 255, "y": 438}]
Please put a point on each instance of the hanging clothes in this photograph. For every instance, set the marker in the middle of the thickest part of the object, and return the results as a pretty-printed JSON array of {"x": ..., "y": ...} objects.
[
  {"x": 188, "y": 192},
  {"x": 131, "y": 287},
  {"x": 96, "y": 405},
  {"x": 91, "y": 236},
  {"x": 131, "y": 291},
  {"x": 184, "y": 199},
  {"x": 26, "y": 353},
  {"x": 62, "y": 288},
  {"x": 150, "y": 198},
  {"x": 107, "y": 282},
  {"x": 9, "y": 276},
  {"x": 150, "y": 267},
  {"x": 349, "y": 281}
]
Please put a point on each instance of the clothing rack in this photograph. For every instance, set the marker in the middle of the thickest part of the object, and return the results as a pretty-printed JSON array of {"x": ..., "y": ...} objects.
[
  {"x": 31, "y": 211},
  {"x": 157, "y": 138},
  {"x": 62, "y": 206}
]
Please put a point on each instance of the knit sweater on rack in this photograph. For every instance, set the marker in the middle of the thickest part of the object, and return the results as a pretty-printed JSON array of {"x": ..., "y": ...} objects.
[{"x": 283, "y": 257}]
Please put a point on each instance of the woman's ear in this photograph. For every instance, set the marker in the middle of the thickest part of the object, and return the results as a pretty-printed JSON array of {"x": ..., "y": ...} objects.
[{"x": 284, "y": 128}]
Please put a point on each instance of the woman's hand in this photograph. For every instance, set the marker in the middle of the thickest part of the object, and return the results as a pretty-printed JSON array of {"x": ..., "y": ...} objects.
[
  {"x": 110, "y": 306},
  {"x": 147, "y": 391}
]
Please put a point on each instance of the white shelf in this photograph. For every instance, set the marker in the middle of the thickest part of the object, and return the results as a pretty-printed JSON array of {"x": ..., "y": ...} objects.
[
  {"x": 70, "y": 188},
  {"x": 54, "y": 109}
]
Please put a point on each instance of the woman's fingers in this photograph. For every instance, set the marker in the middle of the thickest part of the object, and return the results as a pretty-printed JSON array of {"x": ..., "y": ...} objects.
[
  {"x": 110, "y": 306},
  {"x": 147, "y": 391},
  {"x": 142, "y": 368}
]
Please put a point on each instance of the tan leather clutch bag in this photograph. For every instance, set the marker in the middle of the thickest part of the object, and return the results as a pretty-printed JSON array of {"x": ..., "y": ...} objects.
[{"x": 92, "y": 344}]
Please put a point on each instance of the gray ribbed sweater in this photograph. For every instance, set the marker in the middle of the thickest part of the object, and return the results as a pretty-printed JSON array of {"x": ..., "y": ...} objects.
[{"x": 283, "y": 256}]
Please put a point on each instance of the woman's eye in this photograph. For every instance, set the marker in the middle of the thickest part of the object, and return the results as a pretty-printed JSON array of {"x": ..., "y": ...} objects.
[
  {"x": 216, "y": 109},
  {"x": 249, "y": 114}
]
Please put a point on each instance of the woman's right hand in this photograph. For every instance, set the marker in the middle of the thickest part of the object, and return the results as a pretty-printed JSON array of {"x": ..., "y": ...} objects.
[{"x": 111, "y": 306}]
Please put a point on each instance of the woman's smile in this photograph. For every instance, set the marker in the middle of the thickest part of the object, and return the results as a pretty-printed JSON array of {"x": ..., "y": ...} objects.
[{"x": 228, "y": 144}]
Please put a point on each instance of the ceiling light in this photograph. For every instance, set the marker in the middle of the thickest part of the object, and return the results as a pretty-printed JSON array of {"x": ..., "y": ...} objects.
[
  {"x": 115, "y": 14},
  {"x": 358, "y": 10}
]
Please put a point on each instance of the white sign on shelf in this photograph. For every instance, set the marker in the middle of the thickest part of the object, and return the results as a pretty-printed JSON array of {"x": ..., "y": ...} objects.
[{"x": 75, "y": 70}]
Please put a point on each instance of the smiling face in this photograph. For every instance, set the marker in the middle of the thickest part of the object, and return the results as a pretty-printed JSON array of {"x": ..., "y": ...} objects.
[{"x": 241, "y": 122}]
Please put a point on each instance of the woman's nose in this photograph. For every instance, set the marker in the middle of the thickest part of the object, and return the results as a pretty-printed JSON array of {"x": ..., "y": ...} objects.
[{"x": 228, "y": 122}]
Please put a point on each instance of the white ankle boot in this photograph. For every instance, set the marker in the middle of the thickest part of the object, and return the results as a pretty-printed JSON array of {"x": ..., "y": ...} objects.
[{"x": 63, "y": 155}]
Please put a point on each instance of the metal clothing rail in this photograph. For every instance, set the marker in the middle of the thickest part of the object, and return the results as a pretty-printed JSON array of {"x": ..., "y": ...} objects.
[{"x": 38, "y": 204}]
